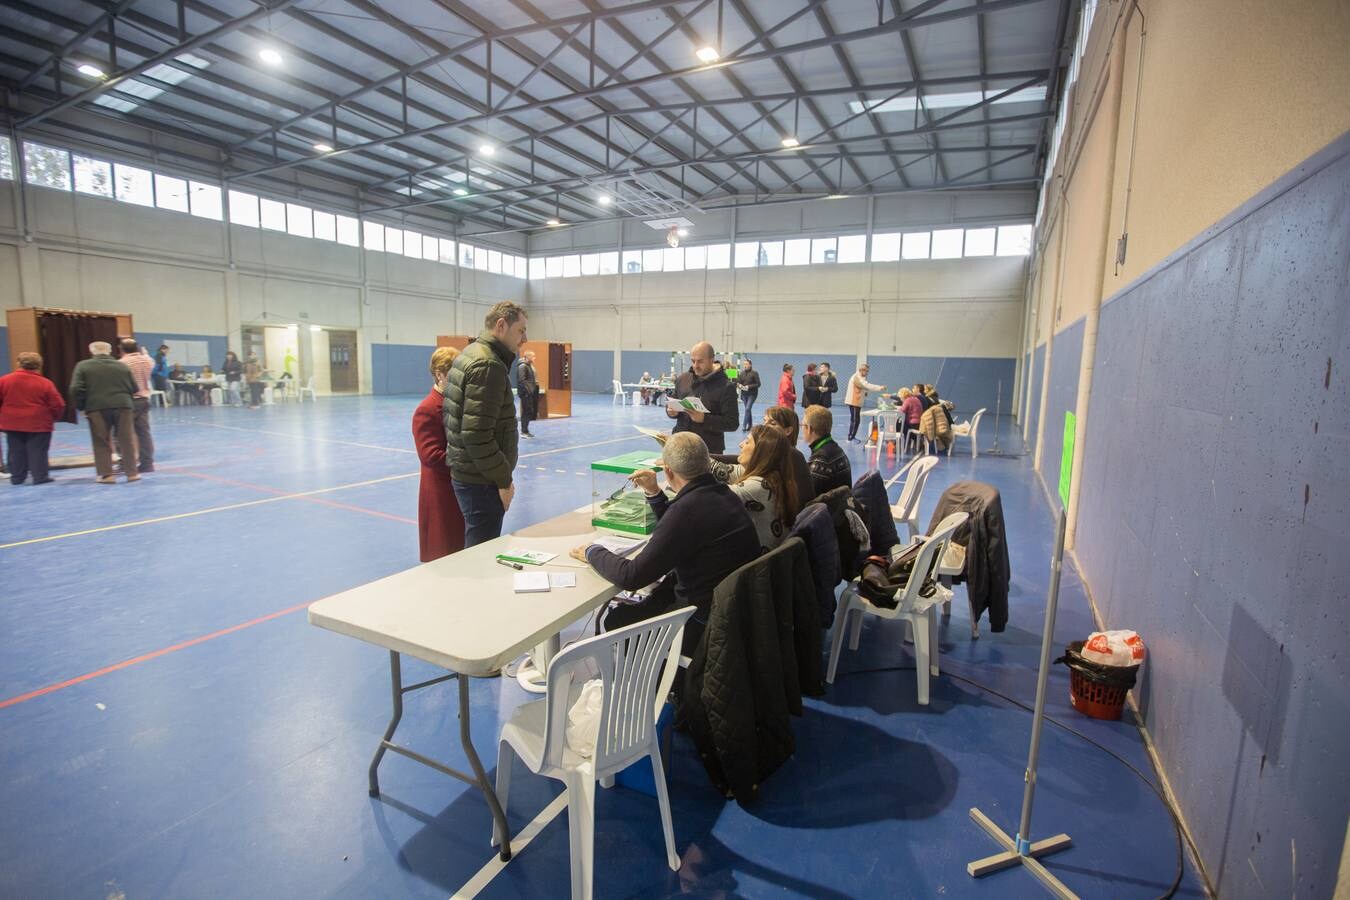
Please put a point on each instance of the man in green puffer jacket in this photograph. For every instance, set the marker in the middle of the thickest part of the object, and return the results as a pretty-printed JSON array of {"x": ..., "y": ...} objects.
[{"x": 480, "y": 423}]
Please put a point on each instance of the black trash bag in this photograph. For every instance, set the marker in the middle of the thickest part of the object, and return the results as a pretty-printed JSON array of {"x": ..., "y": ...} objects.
[{"x": 1111, "y": 676}]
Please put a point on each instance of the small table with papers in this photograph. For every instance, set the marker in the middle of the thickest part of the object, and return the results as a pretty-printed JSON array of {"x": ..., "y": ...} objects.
[{"x": 462, "y": 613}]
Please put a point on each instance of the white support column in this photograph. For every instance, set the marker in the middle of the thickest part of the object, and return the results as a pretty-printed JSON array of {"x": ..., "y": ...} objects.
[
  {"x": 30, "y": 273},
  {"x": 618, "y": 308}
]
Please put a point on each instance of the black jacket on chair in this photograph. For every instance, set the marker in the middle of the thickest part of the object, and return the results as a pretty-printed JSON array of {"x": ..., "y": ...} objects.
[
  {"x": 760, "y": 652},
  {"x": 816, "y": 528},
  {"x": 987, "y": 569}
]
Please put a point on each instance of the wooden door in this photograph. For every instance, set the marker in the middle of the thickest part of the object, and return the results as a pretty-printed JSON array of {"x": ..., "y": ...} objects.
[{"x": 342, "y": 362}]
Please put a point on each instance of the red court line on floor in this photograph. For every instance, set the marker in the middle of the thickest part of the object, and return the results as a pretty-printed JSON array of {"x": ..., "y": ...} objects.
[
  {"x": 278, "y": 492},
  {"x": 146, "y": 657}
]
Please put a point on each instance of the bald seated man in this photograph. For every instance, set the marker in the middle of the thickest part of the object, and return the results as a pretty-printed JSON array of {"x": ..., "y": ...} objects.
[
  {"x": 706, "y": 381},
  {"x": 703, "y": 534}
]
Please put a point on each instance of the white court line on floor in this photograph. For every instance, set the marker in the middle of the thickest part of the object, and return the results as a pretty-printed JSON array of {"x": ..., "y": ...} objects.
[
  {"x": 580, "y": 446},
  {"x": 303, "y": 437},
  {"x": 494, "y": 865},
  {"x": 202, "y": 512},
  {"x": 306, "y": 437}
]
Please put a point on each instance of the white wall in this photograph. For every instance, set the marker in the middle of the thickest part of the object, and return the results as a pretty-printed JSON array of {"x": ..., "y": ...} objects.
[
  {"x": 181, "y": 274},
  {"x": 184, "y": 275},
  {"x": 963, "y": 307}
]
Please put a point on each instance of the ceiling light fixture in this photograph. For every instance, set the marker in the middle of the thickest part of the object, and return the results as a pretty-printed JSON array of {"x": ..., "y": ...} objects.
[
  {"x": 791, "y": 143},
  {"x": 553, "y": 223},
  {"x": 604, "y": 200},
  {"x": 836, "y": 196},
  {"x": 487, "y": 149},
  {"x": 460, "y": 192},
  {"x": 682, "y": 232},
  {"x": 708, "y": 54},
  {"x": 323, "y": 148},
  {"x": 91, "y": 71},
  {"x": 270, "y": 56}
]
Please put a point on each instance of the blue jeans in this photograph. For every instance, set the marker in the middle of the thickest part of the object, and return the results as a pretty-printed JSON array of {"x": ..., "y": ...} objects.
[
  {"x": 748, "y": 422},
  {"x": 481, "y": 505}
]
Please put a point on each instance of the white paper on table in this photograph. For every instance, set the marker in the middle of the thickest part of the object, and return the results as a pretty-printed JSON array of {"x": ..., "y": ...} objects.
[
  {"x": 531, "y": 582},
  {"x": 562, "y": 579},
  {"x": 620, "y": 545}
]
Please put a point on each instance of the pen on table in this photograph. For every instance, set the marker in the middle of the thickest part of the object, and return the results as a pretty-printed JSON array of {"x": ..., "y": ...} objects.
[{"x": 506, "y": 562}]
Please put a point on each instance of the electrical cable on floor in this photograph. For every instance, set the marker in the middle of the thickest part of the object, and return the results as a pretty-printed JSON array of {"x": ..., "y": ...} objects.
[{"x": 1176, "y": 823}]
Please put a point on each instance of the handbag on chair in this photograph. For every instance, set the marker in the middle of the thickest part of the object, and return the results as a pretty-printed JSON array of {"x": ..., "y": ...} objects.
[{"x": 883, "y": 578}]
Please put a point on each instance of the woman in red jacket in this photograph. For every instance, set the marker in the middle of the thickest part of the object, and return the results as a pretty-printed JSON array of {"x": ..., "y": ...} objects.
[
  {"x": 440, "y": 524},
  {"x": 787, "y": 391},
  {"x": 29, "y": 405}
]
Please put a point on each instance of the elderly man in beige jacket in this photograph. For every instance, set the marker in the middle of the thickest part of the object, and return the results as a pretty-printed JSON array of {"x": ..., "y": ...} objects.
[{"x": 858, "y": 386}]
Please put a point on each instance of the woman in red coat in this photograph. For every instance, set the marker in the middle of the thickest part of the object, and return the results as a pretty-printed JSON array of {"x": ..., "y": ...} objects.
[
  {"x": 29, "y": 405},
  {"x": 440, "y": 524},
  {"x": 787, "y": 391}
]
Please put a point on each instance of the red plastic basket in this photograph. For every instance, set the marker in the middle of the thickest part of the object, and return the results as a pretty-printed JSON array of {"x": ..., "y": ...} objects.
[{"x": 1099, "y": 701}]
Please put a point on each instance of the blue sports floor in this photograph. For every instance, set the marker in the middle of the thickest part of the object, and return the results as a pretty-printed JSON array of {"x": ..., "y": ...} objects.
[{"x": 170, "y": 726}]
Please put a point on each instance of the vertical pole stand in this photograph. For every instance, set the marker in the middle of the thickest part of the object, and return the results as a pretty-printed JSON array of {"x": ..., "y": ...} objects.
[{"x": 1020, "y": 850}]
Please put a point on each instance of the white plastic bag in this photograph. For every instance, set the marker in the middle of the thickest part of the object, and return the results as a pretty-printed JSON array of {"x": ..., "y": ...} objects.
[
  {"x": 1114, "y": 648},
  {"x": 583, "y": 719}
]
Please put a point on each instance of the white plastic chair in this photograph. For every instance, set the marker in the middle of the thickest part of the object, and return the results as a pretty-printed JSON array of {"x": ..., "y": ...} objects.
[
  {"x": 914, "y": 438},
  {"x": 619, "y": 394},
  {"x": 307, "y": 388},
  {"x": 637, "y": 397},
  {"x": 906, "y": 509},
  {"x": 918, "y": 611},
  {"x": 634, "y": 688},
  {"x": 888, "y": 424},
  {"x": 968, "y": 430},
  {"x": 156, "y": 394}
]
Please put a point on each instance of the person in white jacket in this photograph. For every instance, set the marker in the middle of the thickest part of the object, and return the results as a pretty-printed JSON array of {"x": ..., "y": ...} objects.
[{"x": 858, "y": 386}]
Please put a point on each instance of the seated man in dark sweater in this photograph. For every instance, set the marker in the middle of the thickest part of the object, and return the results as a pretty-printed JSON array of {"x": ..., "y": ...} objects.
[
  {"x": 829, "y": 464},
  {"x": 703, "y": 535}
]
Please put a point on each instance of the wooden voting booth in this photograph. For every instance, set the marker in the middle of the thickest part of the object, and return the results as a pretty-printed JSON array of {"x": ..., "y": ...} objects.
[
  {"x": 62, "y": 337},
  {"x": 552, "y": 365}
]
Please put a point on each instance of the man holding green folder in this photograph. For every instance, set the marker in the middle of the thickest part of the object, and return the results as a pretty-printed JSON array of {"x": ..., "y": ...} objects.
[{"x": 708, "y": 384}]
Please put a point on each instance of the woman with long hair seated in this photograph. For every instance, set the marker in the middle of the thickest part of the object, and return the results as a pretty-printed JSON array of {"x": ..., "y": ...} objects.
[{"x": 764, "y": 480}]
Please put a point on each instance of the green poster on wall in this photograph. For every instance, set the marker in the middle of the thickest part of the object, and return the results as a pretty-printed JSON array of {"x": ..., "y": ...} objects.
[{"x": 1066, "y": 458}]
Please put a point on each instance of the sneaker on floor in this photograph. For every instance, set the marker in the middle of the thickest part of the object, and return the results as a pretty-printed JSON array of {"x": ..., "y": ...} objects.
[
  {"x": 131, "y": 478},
  {"x": 144, "y": 469},
  {"x": 44, "y": 481},
  {"x": 107, "y": 479}
]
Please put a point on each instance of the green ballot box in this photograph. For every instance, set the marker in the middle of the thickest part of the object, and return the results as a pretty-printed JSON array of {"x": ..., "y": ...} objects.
[{"x": 615, "y": 503}]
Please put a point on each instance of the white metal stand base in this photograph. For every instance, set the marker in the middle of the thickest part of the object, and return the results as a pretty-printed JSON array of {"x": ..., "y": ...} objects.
[
  {"x": 1011, "y": 857},
  {"x": 533, "y": 672}
]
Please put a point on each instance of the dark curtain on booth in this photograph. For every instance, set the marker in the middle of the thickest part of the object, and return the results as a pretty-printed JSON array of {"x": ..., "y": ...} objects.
[{"x": 64, "y": 340}]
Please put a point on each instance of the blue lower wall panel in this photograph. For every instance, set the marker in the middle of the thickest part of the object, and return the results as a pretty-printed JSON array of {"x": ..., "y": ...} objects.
[
  {"x": 216, "y": 346},
  {"x": 1214, "y": 501},
  {"x": 971, "y": 383},
  {"x": 1037, "y": 378},
  {"x": 635, "y": 362},
  {"x": 1065, "y": 361},
  {"x": 400, "y": 368},
  {"x": 5, "y": 362},
  {"x": 593, "y": 371}
]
